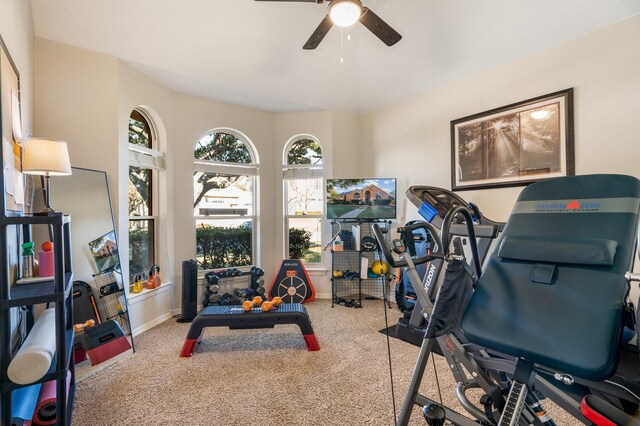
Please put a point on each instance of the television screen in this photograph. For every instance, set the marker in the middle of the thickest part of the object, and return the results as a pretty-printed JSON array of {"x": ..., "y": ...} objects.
[{"x": 361, "y": 198}]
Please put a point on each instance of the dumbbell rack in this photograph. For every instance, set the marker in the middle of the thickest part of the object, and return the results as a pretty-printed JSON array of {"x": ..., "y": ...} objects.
[
  {"x": 349, "y": 289},
  {"x": 213, "y": 281}
]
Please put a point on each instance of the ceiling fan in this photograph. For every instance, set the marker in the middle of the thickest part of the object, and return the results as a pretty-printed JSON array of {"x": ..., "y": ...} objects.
[{"x": 345, "y": 13}]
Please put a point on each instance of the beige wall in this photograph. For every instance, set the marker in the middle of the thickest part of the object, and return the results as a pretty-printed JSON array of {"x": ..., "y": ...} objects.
[
  {"x": 16, "y": 29},
  {"x": 411, "y": 140},
  {"x": 76, "y": 100}
]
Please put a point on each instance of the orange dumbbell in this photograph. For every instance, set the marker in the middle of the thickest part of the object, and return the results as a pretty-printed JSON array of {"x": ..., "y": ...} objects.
[
  {"x": 266, "y": 306},
  {"x": 257, "y": 301},
  {"x": 77, "y": 328},
  {"x": 247, "y": 305},
  {"x": 276, "y": 301}
]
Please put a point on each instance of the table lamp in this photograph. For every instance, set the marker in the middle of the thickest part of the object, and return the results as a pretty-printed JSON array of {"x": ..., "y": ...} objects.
[{"x": 45, "y": 157}]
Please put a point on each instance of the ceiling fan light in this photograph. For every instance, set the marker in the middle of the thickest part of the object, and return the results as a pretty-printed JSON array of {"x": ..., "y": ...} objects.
[{"x": 345, "y": 13}]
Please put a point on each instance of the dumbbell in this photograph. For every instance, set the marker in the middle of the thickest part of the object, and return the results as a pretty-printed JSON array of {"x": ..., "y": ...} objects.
[
  {"x": 211, "y": 278},
  {"x": 260, "y": 290},
  {"x": 213, "y": 298},
  {"x": 274, "y": 303},
  {"x": 77, "y": 328},
  {"x": 213, "y": 288},
  {"x": 240, "y": 292}
]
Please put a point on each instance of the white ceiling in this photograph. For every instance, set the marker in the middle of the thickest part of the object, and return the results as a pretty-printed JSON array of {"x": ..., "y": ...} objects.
[{"x": 250, "y": 53}]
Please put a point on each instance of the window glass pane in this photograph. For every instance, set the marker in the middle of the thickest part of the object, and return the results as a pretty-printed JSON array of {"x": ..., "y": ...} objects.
[
  {"x": 304, "y": 151},
  {"x": 222, "y": 147},
  {"x": 304, "y": 196},
  {"x": 139, "y": 192},
  {"x": 139, "y": 131},
  {"x": 224, "y": 243},
  {"x": 141, "y": 246},
  {"x": 218, "y": 194},
  {"x": 304, "y": 239}
]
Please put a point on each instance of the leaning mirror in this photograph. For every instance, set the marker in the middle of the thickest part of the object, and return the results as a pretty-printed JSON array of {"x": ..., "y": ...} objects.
[{"x": 85, "y": 197}]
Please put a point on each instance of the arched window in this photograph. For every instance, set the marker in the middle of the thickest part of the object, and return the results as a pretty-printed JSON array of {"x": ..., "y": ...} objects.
[
  {"x": 145, "y": 161},
  {"x": 304, "y": 201},
  {"x": 224, "y": 194}
]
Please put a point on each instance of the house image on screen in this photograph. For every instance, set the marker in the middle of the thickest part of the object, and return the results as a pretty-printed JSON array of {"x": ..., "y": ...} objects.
[{"x": 365, "y": 195}]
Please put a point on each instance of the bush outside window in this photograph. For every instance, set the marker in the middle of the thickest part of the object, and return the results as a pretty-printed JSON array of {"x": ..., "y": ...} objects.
[
  {"x": 303, "y": 189},
  {"x": 224, "y": 182},
  {"x": 144, "y": 163}
]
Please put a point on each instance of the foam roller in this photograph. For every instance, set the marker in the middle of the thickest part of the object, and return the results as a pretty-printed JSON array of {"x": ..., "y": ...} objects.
[{"x": 34, "y": 358}]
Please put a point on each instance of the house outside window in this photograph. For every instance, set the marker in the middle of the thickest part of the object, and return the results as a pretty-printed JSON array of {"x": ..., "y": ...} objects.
[
  {"x": 303, "y": 199},
  {"x": 224, "y": 190},
  {"x": 145, "y": 162}
]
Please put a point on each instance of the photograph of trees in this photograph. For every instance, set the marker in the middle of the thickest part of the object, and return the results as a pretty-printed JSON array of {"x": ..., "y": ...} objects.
[{"x": 516, "y": 145}]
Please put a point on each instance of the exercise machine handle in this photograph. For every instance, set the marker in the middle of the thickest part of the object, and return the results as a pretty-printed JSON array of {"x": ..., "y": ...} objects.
[
  {"x": 400, "y": 263},
  {"x": 446, "y": 225}
]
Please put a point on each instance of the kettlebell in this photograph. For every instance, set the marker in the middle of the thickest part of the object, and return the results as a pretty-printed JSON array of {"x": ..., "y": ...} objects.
[
  {"x": 137, "y": 283},
  {"x": 154, "y": 277}
]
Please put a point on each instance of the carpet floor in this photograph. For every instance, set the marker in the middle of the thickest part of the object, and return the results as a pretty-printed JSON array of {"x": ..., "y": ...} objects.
[{"x": 265, "y": 377}]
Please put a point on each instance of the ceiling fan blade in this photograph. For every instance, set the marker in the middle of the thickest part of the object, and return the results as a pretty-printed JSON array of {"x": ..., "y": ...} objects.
[
  {"x": 319, "y": 33},
  {"x": 377, "y": 26}
]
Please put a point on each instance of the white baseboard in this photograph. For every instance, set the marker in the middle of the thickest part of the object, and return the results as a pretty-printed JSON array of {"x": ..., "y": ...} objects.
[
  {"x": 323, "y": 295},
  {"x": 153, "y": 323}
]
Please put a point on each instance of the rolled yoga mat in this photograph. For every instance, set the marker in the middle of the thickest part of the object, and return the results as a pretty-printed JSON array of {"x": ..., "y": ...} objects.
[
  {"x": 45, "y": 413},
  {"x": 33, "y": 360},
  {"x": 23, "y": 404}
]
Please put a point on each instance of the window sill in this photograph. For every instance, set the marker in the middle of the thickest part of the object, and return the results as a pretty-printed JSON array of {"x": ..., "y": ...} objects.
[
  {"x": 317, "y": 272},
  {"x": 147, "y": 293}
]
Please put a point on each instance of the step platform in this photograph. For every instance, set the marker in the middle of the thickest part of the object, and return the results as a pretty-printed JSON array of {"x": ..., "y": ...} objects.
[{"x": 236, "y": 318}]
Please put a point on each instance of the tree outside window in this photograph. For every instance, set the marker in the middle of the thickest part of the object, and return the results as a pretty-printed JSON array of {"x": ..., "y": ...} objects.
[
  {"x": 224, "y": 201},
  {"x": 304, "y": 199},
  {"x": 141, "y": 203}
]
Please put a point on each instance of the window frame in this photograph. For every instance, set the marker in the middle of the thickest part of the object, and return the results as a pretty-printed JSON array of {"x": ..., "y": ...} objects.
[
  {"x": 152, "y": 159},
  {"x": 301, "y": 172},
  {"x": 251, "y": 170}
]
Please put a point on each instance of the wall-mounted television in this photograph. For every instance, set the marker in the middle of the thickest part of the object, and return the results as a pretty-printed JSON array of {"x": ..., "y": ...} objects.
[{"x": 361, "y": 198}]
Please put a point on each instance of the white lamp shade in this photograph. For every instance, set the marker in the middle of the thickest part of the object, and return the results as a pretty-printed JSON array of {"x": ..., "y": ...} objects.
[
  {"x": 45, "y": 157},
  {"x": 345, "y": 13}
]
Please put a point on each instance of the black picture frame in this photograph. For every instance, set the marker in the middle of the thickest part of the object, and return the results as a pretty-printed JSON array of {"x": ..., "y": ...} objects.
[{"x": 514, "y": 145}]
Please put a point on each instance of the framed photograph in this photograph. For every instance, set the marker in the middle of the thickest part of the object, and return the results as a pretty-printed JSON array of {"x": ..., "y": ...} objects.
[
  {"x": 104, "y": 250},
  {"x": 514, "y": 145}
]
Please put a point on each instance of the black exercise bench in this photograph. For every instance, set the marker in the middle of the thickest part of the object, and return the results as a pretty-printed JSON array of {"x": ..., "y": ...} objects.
[{"x": 236, "y": 318}]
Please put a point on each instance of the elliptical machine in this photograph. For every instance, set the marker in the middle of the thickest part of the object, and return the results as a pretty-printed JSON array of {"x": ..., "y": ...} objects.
[{"x": 433, "y": 205}]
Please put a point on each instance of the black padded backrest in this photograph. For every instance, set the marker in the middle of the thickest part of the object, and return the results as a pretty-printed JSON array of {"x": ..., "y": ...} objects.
[{"x": 554, "y": 290}]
